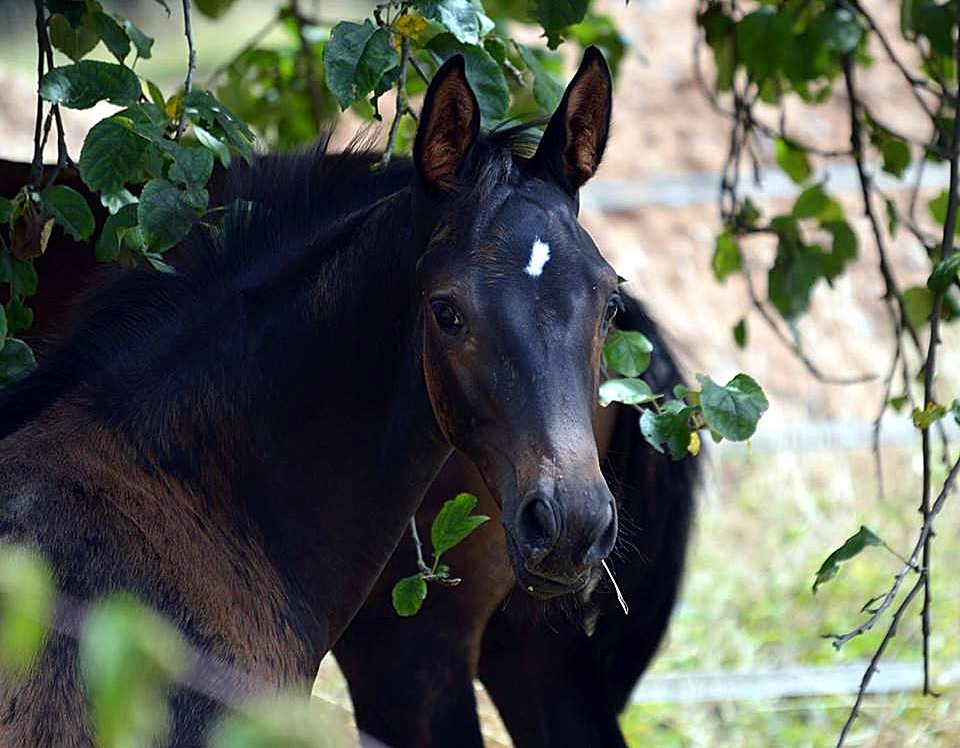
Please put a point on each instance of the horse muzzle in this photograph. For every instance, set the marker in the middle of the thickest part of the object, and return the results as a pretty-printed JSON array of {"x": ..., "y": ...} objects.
[{"x": 555, "y": 545}]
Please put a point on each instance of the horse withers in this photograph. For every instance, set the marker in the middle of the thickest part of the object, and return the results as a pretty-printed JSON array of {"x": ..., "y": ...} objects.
[{"x": 282, "y": 401}]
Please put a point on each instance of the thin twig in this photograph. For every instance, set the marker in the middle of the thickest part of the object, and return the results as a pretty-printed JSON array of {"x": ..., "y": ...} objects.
[
  {"x": 912, "y": 564},
  {"x": 418, "y": 547},
  {"x": 892, "y": 289},
  {"x": 36, "y": 170},
  {"x": 929, "y": 367},
  {"x": 191, "y": 67},
  {"x": 885, "y": 401},
  {"x": 313, "y": 88},
  {"x": 794, "y": 346},
  {"x": 872, "y": 667},
  {"x": 401, "y": 103}
]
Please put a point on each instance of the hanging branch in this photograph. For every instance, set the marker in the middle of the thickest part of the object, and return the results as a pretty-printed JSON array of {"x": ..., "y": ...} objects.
[
  {"x": 191, "y": 67},
  {"x": 929, "y": 369}
]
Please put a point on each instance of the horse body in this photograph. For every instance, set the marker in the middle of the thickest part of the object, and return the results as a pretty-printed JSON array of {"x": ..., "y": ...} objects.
[{"x": 241, "y": 444}]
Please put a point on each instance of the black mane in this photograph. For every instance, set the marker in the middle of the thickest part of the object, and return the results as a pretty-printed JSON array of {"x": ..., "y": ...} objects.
[{"x": 276, "y": 207}]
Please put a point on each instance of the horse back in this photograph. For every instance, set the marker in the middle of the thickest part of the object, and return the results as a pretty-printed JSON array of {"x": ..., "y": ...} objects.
[{"x": 108, "y": 522}]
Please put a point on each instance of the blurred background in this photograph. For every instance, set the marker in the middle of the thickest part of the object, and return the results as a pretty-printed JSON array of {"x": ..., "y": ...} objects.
[{"x": 745, "y": 663}]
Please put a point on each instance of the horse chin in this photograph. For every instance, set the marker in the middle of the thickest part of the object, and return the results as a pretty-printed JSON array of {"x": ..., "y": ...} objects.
[{"x": 544, "y": 588}]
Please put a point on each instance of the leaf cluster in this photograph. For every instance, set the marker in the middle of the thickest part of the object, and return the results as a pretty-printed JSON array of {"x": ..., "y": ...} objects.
[
  {"x": 452, "y": 525},
  {"x": 729, "y": 411}
]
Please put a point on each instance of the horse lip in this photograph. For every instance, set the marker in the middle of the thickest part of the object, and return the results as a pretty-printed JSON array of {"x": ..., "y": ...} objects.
[
  {"x": 543, "y": 587},
  {"x": 539, "y": 586}
]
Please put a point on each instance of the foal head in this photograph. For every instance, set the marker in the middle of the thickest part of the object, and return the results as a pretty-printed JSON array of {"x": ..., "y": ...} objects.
[{"x": 517, "y": 301}]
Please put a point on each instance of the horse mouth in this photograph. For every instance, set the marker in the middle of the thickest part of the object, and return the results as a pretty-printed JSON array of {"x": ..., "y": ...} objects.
[{"x": 542, "y": 587}]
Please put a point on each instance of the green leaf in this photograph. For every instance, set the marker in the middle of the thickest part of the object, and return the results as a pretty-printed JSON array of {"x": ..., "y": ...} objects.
[
  {"x": 213, "y": 8},
  {"x": 547, "y": 90},
  {"x": 719, "y": 29},
  {"x": 627, "y": 391},
  {"x": 191, "y": 166},
  {"x": 408, "y": 595},
  {"x": 628, "y": 352},
  {"x": 853, "y": 545},
  {"x": 6, "y": 210},
  {"x": 114, "y": 228},
  {"x": 114, "y": 37},
  {"x": 924, "y": 419},
  {"x": 27, "y": 600},
  {"x": 73, "y": 41},
  {"x": 142, "y": 42},
  {"x": 129, "y": 656},
  {"x": 463, "y": 18},
  {"x": 341, "y": 57},
  {"x": 726, "y": 256},
  {"x": 764, "y": 41},
  {"x": 794, "y": 271},
  {"x": 3, "y": 324},
  {"x": 734, "y": 409},
  {"x": 792, "y": 160},
  {"x": 204, "y": 106},
  {"x": 955, "y": 410},
  {"x": 555, "y": 15},
  {"x": 843, "y": 248},
  {"x": 811, "y": 203},
  {"x": 20, "y": 274},
  {"x": 213, "y": 143},
  {"x": 70, "y": 209},
  {"x": 918, "y": 303},
  {"x": 454, "y": 522},
  {"x": 944, "y": 273},
  {"x": 16, "y": 361},
  {"x": 19, "y": 317},
  {"x": 112, "y": 154},
  {"x": 114, "y": 201},
  {"x": 83, "y": 84},
  {"x": 938, "y": 209},
  {"x": 378, "y": 57},
  {"x": 893, "y": 219},
  {"x": 156, "y": 95},
  {"x": 483, "y": 72},
  {"x": 896, "y": 155},
  {"x": 740, "y": 333},
  {"x": 843, "y": 32},
  {"x": 669, "y": 427},
  {"x": 163, "y": 214}
]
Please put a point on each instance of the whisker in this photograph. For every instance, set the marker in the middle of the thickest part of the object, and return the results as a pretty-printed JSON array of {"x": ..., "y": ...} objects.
[{"x": 616, "y": 588}]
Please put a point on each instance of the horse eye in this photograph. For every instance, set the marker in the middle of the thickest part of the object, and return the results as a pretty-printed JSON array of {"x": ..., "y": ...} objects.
[
  {"x": 614, "y": 305},
  {"x": 448, "y": 319}
]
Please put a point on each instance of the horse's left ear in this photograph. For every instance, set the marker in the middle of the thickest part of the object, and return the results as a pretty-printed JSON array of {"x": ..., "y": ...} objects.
[{"x": 573, "y": 143}]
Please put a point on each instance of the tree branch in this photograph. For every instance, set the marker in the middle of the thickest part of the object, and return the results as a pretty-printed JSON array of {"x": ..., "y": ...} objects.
[{"x": 191, "y": 67}]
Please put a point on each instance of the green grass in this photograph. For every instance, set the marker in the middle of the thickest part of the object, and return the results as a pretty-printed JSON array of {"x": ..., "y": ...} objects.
[{"x": 764, "y": 526}]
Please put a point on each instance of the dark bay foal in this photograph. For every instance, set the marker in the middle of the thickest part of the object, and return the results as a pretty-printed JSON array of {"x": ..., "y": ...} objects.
[{"x": 282, "y": 402}]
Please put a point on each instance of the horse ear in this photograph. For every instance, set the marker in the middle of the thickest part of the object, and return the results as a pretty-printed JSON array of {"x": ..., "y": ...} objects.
[
  {"x": 573, "y": 143},
  {"x": 449, "y": 125}
]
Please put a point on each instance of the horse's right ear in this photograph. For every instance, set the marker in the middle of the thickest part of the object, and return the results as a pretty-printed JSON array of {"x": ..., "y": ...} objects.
[{"x": 449, "y": 125}]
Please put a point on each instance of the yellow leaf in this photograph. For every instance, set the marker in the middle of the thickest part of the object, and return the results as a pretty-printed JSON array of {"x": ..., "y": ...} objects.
[
  {"x": 411, "y": 25},
  {"x": 694, "y": 446}
]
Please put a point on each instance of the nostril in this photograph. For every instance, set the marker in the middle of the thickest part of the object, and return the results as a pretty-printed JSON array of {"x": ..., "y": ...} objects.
[
  {"x": 604, "y": 543},
  {"x": 538, "y": 526}
]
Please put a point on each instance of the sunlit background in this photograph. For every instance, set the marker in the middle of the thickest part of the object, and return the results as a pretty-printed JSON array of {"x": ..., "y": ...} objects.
[{"x": 744, "y": 663}]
